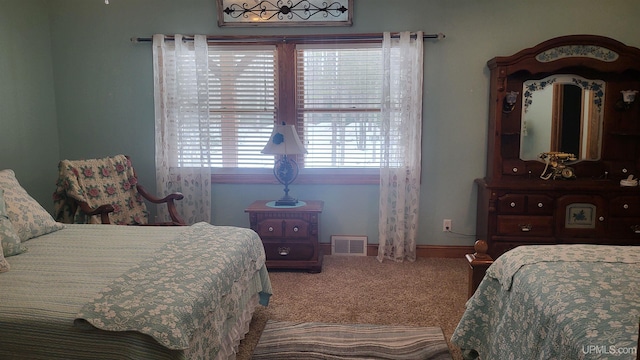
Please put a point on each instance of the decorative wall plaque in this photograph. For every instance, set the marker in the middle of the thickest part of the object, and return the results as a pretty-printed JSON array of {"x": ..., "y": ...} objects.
[{"x": 284, "y": 12}]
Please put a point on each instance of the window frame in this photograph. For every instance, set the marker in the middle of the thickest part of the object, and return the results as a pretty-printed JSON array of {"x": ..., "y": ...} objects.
[{"x": 286, "y": 109}]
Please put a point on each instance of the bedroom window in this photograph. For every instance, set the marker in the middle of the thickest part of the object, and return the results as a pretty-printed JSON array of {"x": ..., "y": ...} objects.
[
  {"x": 338, "y": 103},
  {"x": 241, "y": 98},
  {"x": 222, "y": 110}
]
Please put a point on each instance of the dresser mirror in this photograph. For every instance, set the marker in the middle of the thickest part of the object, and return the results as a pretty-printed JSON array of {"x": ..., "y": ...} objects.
[{"x": 562, "y": 113}]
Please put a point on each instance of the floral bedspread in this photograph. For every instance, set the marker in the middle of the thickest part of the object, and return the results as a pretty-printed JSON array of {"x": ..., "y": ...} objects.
[
  {"x": 556, "y": 302},
  {"x": 168, "y": 295}
]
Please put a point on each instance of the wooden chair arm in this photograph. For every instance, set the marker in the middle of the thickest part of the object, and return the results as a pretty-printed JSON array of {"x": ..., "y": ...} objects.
[
  {"x": 102, "y": 210},
  {"x": 156, "y": 200},
  {"x": 169, "y": 200}
]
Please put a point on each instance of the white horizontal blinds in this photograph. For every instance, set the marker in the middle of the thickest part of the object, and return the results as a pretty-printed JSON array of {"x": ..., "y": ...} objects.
[
  {"x": 338, "y": 104},
  {"x": 240, "y": 101},
  {"x": 243, "y": 102}
]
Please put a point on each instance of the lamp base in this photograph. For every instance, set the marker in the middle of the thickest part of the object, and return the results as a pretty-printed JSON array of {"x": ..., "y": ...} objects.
[
  {"x": 286, "y": 170},
  {"x": 287, "y": 202}
]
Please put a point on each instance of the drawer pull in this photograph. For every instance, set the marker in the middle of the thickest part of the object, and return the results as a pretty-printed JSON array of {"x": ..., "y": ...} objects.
[
  {"x": 525, "y": 227},
  {"x": 540, "y": 204},
  {"x": 512, "y": 204},
  {"x": 635, "y": 229},
  {"x": 284, "y": 251},
  {"x": 625, "y": 206},
  {"x": 270, "y": 229},
  {"x": 296, "y": 229},
  {"x": 601, "y": 218}
]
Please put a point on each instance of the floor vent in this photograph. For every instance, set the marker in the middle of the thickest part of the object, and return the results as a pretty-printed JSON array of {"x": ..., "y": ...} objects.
[{"x": 349, "y": 245}]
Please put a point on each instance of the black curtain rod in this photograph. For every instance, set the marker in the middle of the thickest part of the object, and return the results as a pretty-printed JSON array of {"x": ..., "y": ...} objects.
[{"x": 284, "y": 38}]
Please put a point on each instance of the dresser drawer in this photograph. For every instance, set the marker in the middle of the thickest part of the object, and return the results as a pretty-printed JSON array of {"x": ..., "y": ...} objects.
[
  {"x": 539, "y": 205},
  {"x": 525, "y": 204},
  {"x": 289, "y": 250},
  {"x": 525, "y": 225},
  {"x": 625, "y": 227},
  {"x": 512, "y": 204},
  {"x": 625, "y": 206}
]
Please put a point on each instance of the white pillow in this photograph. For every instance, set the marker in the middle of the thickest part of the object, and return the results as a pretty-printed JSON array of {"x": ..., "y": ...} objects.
[{"x": 28, "y": 218}]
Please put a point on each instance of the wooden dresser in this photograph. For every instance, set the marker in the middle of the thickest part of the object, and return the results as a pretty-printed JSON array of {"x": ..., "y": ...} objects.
[
  {"x": 519, "y": 202},
  {"x": 289, "y": 234},
  {"x": 537, "y": 212}
]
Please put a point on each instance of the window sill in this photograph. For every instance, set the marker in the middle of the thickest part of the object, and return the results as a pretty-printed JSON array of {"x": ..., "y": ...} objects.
[{"x": 311, "y": 177}]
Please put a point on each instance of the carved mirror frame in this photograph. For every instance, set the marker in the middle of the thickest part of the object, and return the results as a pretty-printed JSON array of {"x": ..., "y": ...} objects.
[{"x": 586, "y": 56}]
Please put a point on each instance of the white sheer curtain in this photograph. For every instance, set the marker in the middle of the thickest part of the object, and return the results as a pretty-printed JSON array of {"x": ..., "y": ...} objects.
[
  {"x": 402, "y": 131},
  {"x": 179, "y": 67}
]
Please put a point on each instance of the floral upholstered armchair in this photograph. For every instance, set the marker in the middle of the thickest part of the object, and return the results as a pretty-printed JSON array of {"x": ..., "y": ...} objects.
[{"x": 105, "y": 191}]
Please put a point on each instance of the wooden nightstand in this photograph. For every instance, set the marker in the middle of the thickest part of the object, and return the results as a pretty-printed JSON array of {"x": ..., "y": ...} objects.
[{"x": 289, "y": 234}]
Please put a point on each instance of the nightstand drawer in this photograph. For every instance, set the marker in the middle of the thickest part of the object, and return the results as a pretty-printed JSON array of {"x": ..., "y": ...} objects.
[
  {"x": 270, "y": 228},
  {"x": 289, "y": 228},
  {"x": 296, "y": 228},
  {"x": 288, "y": 251}
]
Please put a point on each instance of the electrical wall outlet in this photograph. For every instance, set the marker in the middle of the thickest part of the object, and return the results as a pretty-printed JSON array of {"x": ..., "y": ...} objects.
[{"x": 446, "y": 225}]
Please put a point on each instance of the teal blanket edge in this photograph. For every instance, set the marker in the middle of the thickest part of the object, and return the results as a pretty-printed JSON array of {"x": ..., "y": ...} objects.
[{"x": 167, "y": 295}]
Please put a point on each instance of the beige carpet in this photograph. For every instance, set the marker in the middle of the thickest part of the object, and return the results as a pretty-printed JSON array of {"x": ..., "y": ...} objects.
[{"x": 428, "y": 292}]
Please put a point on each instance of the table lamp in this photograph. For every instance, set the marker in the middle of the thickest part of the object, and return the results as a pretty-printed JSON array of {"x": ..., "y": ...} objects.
[{"x": 284, "y": 141}]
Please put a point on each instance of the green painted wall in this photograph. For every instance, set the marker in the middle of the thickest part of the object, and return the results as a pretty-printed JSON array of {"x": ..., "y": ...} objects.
[
  {"x": 28, "y": 128},
  {"x": 104, "y": 90}
]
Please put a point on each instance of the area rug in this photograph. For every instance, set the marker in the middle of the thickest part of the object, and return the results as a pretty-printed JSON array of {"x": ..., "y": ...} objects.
[{"x": 282, "y": 340}]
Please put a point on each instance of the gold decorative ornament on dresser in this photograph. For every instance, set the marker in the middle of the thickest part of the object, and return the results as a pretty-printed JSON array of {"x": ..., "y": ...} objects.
[
  {"x": 289, "y": 233},
  {"x": 563, "y": 146}
]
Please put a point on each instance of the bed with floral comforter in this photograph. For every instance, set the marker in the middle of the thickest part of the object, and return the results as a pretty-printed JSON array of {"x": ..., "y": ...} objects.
[
  {"x": 555, "y": 302},
  {"x": 132, "y": 292}
]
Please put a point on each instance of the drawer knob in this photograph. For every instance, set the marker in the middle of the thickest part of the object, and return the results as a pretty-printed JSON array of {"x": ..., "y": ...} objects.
[
  {"x": 525, "y": 227},
  {"x": 625, "y": 206},
  {"x": 540, "y": 204},
  {"x": 284, "y": 251},
  {"x": 601, "y": 218},
  {"x": 296, "y": 229},
  {"x": 513, "y": 204},
  {"x": 515, "y": 170},
  {"x": 635, "y": 229},
  {"x": 270, "y": 229}
]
